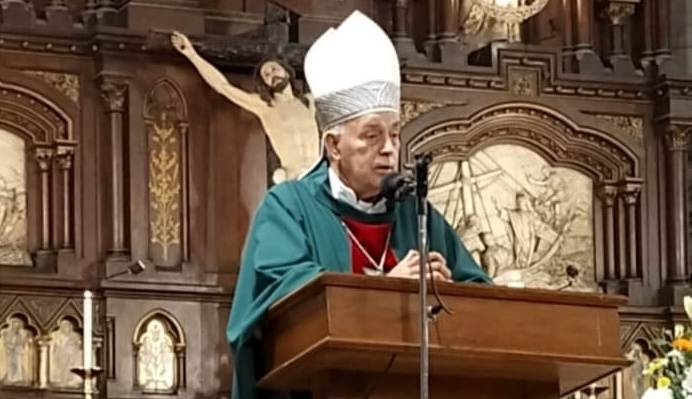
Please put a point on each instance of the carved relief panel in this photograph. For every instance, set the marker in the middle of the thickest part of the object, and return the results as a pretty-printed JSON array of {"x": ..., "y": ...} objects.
[
  {"x": 518, "y": 216},
  {"x": 536, "y": 200},
  {"x": 13, "y": 210}
]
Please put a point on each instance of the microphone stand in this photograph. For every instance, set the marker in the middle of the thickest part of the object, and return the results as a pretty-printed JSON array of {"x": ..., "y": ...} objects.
[{"x": 421, "y": 167}]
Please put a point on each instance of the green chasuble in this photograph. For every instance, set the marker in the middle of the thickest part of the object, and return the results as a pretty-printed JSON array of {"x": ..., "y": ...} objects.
[{"x": 297, "y": 234}]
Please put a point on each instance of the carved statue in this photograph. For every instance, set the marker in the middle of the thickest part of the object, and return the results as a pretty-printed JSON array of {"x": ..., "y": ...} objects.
[
  {"x": 16, "y": 354},
  {"x": 485, "y": 21},
  {"x": 156, "y": 359},
  {"x": 65, "y": 354},
  {"x": 288, "y": 117}
]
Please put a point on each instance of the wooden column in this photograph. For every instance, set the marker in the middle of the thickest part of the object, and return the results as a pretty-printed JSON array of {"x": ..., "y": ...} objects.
[
  {"x": 113, "y": 91},
  {"x": 586, "y": 58},
  {"x": 617, "y": 13},
  {"x": 64, "y": 159},
  {"x": 608, "y": 194},
  {"x": 431, "y": 40},
  {"x": 448, "y": 20},
  {"x": 630, "y": 194},
  {"x": 44, "y": 158},
  {"x": 676, "y": 138},
  {"x": 401, "y": 35}
]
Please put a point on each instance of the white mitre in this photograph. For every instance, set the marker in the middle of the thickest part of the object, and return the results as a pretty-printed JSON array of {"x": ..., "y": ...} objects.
[{"x": 352, "y": 70}]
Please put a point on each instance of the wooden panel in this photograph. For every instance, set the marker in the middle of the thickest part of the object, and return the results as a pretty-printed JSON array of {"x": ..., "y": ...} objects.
[{"x": 501, "y": 333}]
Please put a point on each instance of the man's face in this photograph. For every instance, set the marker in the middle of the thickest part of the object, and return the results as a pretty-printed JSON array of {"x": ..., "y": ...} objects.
[
  {"x": 523, "y": 203},
  {"x": 365, "y": 151},
  {"x": 274, "y": 76}
]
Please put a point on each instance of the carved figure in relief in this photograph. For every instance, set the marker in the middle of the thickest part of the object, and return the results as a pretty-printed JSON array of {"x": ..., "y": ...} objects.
[
  {"x": 156, "y": 358},
  {"x": 470, "y": 233},
  {"x": 65, "y": 354},
  {"x": 16, "y": 354},
  {"x": 495, "y": 257},
  {"x": 13, "y": 213},
  {"x": 527, "y": 230},
  {"x": 553, "y": 196},
  {"x": 287, "y": 116},
  {"x": 532, "y": 223}
]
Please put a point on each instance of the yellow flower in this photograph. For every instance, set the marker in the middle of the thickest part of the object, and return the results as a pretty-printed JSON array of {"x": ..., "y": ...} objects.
[
  {"x": 662, "y": 383},
  {"x": 682, "y": 344},
  {"x": 655, "y": 365}
]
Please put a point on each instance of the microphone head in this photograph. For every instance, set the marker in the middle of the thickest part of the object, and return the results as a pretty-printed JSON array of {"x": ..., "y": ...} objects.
[{"x": 392, "y": 185}]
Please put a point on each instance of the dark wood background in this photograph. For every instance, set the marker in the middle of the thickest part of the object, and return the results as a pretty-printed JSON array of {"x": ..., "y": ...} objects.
[{"x": 568, "y": 70}]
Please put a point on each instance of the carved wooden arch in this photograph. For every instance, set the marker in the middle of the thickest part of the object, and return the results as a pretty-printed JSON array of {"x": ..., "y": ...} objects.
[
  {"x": 174, "y": 328},
  {"x": 45, "y": 119},
  {"x": 639, "y": 332},
  {"x": 26, "y": 319},
  {"x": 165, "y": 97},
  {"x": 173, "y": 325},
  {"x": 19, "y": 306},
  {"x": 35, "y": 109},
  {"x": 539, "y": 128}
]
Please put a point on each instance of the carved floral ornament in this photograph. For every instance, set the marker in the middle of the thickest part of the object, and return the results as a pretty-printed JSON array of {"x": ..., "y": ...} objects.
[
  {"x": 677, "y": 137},
  {"x": 539, "y": 128},
  {"x": 113, "y": 93},
  {"x": 411, "y": 110},
  {"x": 630, "y": 126},
  {"x": 618, "y": 11},
  {"x": 66, "y": 83}
]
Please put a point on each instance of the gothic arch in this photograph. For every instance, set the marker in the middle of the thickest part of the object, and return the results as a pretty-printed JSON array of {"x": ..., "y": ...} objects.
[
  {"x": 539, "y": 128},
  {"x": 166, "y": 118},
  {"x": 35, "y": 109},
  {"x": 165, "y": 96},
  {"x": 159, "y": 343}
]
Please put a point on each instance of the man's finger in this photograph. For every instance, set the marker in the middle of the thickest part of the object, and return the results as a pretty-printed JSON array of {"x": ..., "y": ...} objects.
[
  {"x": 436, "y": 256},
  {"x": 438, "y": 276},
  {"x": 442, "y": 268}
]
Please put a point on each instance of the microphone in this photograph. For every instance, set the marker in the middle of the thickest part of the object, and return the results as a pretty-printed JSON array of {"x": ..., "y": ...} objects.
[
  {"x": 395, "y": 186},
  {"x": 572, "y": 273}
]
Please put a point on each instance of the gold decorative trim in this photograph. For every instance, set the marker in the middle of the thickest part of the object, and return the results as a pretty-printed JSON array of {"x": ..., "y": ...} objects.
[
  {"x": 66, "y": 83},
  {"x": 411, "y": 110},
  {"x": 627, "y": 125},
  {"x": 164, "y": 186}
]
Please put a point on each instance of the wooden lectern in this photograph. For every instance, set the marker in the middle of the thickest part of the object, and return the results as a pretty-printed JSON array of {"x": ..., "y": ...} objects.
[{"x": 342, "y": 336}]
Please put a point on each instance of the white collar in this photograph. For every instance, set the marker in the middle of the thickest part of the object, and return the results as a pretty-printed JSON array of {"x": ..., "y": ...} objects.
[{"x": 342, "y": 192}]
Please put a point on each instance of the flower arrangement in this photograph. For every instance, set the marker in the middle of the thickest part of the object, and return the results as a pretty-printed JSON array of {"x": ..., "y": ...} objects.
[{"x": 670, "y": 375}]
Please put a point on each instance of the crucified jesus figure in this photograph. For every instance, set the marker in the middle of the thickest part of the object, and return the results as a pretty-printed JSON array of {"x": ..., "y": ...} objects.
[{"x": 287, "y": 116}]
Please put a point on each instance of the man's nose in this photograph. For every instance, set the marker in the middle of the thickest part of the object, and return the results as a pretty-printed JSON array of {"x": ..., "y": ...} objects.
[{"x": 388, "y": 146}]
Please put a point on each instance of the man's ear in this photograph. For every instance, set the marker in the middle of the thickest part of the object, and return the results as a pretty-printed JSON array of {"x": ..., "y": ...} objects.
[{"x": 331, "y": 145}]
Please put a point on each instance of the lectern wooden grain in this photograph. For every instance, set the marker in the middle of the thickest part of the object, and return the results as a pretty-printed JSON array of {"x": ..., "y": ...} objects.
[{"x": 343, "y": 336}]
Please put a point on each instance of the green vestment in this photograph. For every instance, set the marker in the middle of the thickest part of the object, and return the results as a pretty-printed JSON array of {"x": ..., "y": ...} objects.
[{"x": 297, "y": 234}]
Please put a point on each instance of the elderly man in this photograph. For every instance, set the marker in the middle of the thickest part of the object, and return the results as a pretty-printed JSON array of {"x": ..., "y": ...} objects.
[{"x": 333, "y": 218}]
